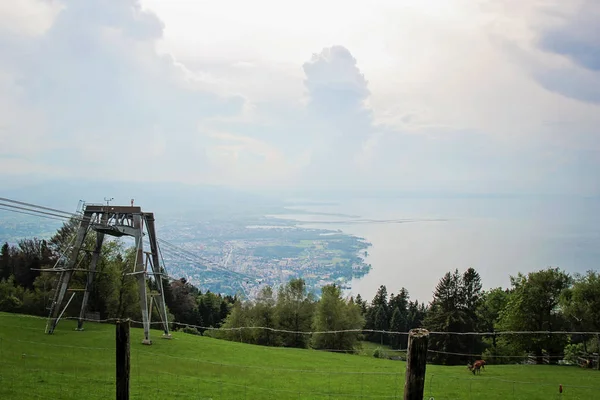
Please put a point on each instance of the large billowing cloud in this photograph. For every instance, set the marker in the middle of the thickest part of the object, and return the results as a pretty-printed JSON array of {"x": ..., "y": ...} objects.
[
  {"x": 90, "y": 95},
  {"x": 337, "y": 93},
  {"x": 335, "y": 85}
]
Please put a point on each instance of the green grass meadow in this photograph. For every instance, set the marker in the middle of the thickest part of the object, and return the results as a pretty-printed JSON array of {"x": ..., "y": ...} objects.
[{"x": 81, "y": 365}]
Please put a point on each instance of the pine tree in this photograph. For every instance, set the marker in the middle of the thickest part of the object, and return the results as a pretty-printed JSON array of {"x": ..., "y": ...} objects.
[
  {"x": 453, "y": 309},
  {"x": 399, "y": 301},
  {"x": 416, "y": 315},
  {"x": 397, "y": 324},
  {"x": 380, "y": 299},
  {"x": 362, "y": 304},
  {"x": 471, "y": 297},
  {"x": 381, "y": 323},
  {"x": 5, "y": 262}
]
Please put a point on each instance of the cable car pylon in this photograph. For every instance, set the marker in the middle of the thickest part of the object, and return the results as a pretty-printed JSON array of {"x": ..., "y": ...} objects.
[{"x": 114, "y": 221}]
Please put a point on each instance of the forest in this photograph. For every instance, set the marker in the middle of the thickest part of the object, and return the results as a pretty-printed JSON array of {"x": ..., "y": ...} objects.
[{"x": 547, "y": 300}]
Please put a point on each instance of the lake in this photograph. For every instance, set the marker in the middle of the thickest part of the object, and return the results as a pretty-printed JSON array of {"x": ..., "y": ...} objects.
[{"x": 415, "y": 241}]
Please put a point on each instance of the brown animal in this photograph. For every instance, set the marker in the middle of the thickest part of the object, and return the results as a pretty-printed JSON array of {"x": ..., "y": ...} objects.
[
  {"x": 482, "y": 362},
  {"x": 477, "y": 366}
]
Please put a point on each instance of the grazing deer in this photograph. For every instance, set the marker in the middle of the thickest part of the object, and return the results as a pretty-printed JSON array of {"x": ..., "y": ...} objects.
[
  {"x": 477, "y": 366},
  {"x": 482, "y": 363}
]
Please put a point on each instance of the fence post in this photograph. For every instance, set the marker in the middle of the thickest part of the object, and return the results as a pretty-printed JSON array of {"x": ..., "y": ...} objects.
[
  {"x": 598, "y": 359},
  {"x": 416, "y": 361},
  {"x": 123, "y": 361}
]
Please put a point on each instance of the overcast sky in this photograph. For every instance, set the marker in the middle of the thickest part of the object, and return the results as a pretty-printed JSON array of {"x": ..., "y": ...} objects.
[{"x": 460, "y": 95}]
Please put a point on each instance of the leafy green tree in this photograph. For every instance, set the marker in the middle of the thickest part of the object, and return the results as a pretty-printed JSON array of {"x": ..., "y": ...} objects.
[
  {"x": 333, "y": 313},
  {"x": 239, "y": 317},
  {"x": 31, "y": 255},
  {"x": 488, "y": 313},
  {"x": 118, "y": 289},
  {"x": 263, "y": 315},
  {"x": 534, "y": 306},
  {"x": 491, "y": 306},
  {"x": 184, "y": 305},
  {"x": 104, "y": 295},
  {"x": 63, "y": 239},
  {"x": 10, "y": 300},
  {"x": 209, "y": 308},
  {"x": 581, "y": 302},
  {"x": 581, "y": 306},
  {"x": 504, "y": 352},
  {"x": 294, "y": 311}
]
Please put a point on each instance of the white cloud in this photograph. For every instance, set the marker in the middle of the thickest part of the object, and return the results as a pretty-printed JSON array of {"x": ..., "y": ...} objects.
[
  {"x": 28, "y": 17},
  {"x": 453, "y": 94}
]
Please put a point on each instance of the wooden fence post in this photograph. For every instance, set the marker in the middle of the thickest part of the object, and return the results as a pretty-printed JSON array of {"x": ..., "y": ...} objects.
[
  {"x": 122, "y": 330},
  {"x": 416, "y": 361},
  {"x": 598, "y": 359}
]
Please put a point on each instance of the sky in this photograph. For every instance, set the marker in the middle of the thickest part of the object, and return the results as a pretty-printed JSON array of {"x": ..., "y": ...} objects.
[{"x": 473, "y": 96}]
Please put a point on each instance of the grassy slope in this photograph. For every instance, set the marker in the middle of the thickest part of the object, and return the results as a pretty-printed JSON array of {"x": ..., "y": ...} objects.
[{"x": 80, "y": 365}]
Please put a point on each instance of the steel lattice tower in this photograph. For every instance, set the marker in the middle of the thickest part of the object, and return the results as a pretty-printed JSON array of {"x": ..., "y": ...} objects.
[{"x": 115, "y": 221}]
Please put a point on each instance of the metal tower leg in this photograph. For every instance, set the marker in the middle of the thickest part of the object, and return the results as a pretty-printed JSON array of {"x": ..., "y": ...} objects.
[
  {"x": 160, "y": 299},
  {"x": 141, "y": 275},
  {"x": 91, "y": 274},
  {"x": 66, "y": 277},
  {"x": 162, "y": 309}
]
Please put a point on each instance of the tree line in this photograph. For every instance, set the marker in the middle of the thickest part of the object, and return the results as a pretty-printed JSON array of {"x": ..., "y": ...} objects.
[
  {"x": 541, "y": 301},
  {"x": 294, "y": 310}
]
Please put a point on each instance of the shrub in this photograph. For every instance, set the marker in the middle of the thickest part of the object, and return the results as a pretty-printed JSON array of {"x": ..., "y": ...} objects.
[
  {"x": 190, "y": 330},
  {"x": 379, "y": 353},
  {"x": 572, "y": 352}
]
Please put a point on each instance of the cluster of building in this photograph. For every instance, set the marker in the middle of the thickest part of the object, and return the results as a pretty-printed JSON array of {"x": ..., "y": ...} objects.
[{"x": 230, "y": 265}]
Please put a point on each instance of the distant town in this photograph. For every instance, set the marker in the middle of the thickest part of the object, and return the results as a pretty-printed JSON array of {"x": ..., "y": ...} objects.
[
  {"x": 236, "y": 255},
  {"x": 241, "y": 256}
]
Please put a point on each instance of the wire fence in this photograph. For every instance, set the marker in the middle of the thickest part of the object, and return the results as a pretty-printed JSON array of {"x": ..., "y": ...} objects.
[{"x": 77, "y": 365}]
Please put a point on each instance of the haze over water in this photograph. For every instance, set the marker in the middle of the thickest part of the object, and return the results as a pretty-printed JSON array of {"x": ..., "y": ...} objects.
[{"x": 497, "y": 237}]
